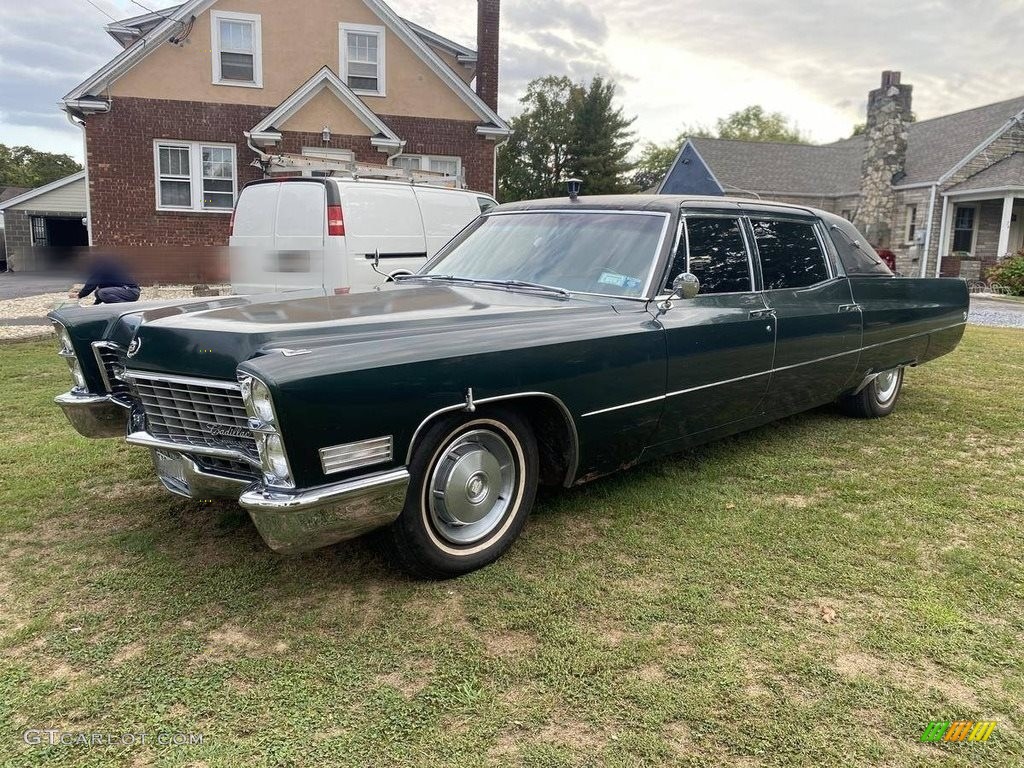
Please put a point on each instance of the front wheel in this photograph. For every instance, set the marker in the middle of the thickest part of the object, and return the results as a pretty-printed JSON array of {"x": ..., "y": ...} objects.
[
  {"x": 877, "y": 399},
  {"x": 473, "y": 480}
]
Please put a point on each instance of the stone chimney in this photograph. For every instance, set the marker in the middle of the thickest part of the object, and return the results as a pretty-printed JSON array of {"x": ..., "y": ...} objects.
[
  {"x": 884, "y": 158},
  {"x": 487, "y": 23}
]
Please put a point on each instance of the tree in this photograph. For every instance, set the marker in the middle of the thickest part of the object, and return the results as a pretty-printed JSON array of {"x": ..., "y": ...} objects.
[
  {"x": 27, "y": 167},
  {"x": 599, "y": 139},
  {"x": 532, "y": 162},
  {"x": 566, "y": 129},
  {"x": 753, "y": 123}
]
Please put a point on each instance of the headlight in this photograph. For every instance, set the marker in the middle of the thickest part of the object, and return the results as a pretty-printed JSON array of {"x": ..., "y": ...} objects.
[
  {"x": 257, "y": 400},
  {"x": 263, "y": 422},
  {"x": 76, "y": 372},
  {"x": 64, "y": 339},
  {"x": 67, "y": 351},
  {"x": 275, "y": 459}
]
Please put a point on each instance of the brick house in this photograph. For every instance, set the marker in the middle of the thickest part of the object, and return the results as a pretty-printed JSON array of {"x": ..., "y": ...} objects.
[
  {"x": 946, "y": 195},
  {"x": 174, "y": 122}
]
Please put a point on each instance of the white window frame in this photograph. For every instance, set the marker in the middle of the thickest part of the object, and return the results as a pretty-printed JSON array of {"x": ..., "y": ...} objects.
[
  {"x": 195, "y": 158},
  {"x": 430, "y": 158},
  {"x": 910, "y": 225},
  {"x": 974, "y": 232},
  {"x": 257, "y": 47},
  {"x": 363, "y": 29}
]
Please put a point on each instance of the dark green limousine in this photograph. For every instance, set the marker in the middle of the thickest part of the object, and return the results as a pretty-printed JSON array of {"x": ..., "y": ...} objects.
[{"x": 552, "y": 342}]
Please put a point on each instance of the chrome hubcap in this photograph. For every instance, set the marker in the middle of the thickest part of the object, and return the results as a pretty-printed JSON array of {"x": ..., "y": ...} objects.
[
  {"x": 471, "y": 487},
  {"x": 886, "y": 384}
]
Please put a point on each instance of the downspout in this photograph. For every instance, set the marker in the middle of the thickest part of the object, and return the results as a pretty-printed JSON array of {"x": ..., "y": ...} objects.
[
  {"x": 928, "y": 233},
  {"x": 85, "y": 162},
  {"x": 494, "y": 177}
]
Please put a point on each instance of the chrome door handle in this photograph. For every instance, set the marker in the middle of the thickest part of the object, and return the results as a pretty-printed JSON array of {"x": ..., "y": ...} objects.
[
  {"x": 848, "y": 308},
  {"x": 756, "y": 313}
]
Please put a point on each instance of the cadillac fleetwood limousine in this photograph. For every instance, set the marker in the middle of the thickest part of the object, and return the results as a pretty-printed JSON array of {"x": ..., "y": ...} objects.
[{"x": 550, "y": 342}]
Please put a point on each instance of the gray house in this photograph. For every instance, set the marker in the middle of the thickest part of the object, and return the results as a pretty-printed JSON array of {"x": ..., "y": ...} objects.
[{"x": 946, "y": 195}]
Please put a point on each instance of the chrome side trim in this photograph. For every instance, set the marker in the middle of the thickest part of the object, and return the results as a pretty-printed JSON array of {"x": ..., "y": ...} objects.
[
  {"x": 363, "y": 453},
  {"x": 624, "y": 405},
  {"x": 147, "y": 440},
  {"x": 856, "y": 351},
  {"x": 570, "y": 474}
]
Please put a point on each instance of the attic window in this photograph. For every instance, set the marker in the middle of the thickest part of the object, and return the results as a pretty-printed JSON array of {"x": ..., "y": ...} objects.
[
  {"x": 362, "y": 58},
  {"x": 237, "y": 49}
]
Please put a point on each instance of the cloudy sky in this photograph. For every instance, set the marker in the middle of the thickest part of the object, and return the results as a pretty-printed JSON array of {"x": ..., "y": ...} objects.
[{"x": 676, "y": 62}]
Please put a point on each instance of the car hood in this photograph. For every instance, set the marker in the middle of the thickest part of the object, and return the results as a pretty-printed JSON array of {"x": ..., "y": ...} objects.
[{"x": 212, "y": 342}]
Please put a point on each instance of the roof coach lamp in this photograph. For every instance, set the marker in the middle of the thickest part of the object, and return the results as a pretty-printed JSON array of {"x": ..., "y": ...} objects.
[
  {"x": 325, "y": 134},
  {"x": 574, "y": 188}
]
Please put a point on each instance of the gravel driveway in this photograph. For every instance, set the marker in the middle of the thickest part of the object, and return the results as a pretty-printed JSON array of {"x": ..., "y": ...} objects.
[{"x": 998, "y": 312}]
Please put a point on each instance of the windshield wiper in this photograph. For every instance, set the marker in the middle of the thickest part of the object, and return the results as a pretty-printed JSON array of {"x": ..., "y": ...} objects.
[{"x": 522, "y": 284}]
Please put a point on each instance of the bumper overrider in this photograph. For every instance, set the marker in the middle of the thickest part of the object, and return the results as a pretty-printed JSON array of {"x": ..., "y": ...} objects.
[{"x": 92, "y": 415}]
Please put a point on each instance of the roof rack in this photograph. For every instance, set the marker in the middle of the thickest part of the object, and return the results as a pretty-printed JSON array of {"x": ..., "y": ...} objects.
[{"x": 287, "y": 162}]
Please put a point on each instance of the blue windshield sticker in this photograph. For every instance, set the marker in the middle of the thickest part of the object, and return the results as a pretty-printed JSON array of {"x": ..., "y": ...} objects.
[{"x": 622, "y": 281}]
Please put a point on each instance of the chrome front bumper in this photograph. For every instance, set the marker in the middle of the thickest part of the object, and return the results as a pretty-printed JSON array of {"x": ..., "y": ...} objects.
[
  {"x": 303, "y": 520},
  {"x": 182, "y": 476},
  {"x": 94, "y": 415}
]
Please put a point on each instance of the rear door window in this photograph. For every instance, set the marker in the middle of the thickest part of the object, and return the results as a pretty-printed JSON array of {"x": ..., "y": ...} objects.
[
  {"x": 302, "y": 210},
  {"x": 790, "y": 253},
  {"x": 255, "y": 212}
]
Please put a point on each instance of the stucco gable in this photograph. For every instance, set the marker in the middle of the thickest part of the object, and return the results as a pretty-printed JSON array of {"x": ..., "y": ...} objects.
[{"x": 419, "y": 83}]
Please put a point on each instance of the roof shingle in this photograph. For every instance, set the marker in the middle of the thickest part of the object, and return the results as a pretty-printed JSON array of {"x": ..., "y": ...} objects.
[{"x": 934, "y": 147}]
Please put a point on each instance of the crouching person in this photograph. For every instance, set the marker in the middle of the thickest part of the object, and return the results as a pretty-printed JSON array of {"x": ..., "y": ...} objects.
[{"x": 110, "y": 283}]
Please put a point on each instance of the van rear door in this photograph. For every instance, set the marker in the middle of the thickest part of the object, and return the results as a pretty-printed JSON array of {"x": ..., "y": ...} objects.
[
  {"x": 384, "y": 217},
  {"x": 444, "y": 215},
  {"x": 278, "y": 237},
  {"x": 299, "y": 235}
]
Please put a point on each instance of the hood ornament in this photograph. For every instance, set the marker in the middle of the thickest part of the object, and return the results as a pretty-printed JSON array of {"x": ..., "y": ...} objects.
[{"x": 134, "y": 347}]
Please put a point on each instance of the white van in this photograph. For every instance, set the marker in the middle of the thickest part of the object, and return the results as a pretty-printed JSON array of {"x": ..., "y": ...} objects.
[{"x": 296, "y": 233}]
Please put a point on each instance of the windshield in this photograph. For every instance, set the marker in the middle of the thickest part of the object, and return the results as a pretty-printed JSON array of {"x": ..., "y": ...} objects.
[{"x": 587, "y": 251}]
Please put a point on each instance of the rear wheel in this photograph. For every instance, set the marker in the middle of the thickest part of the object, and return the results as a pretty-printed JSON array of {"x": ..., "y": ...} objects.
[
  {"x": 877, "y": 399},
  {"x": 473, "y": 483}
]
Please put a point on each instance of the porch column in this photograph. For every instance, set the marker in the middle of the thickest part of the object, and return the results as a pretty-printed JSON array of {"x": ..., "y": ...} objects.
[
  {"x": 945, "y": 228},
  {"x": 1004, "y": 227}
]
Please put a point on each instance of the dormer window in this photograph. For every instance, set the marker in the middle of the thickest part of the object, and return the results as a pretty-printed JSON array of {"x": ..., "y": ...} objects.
[
  {"x": 362, "y": 58},
  {"x": 237, "y": 49}
]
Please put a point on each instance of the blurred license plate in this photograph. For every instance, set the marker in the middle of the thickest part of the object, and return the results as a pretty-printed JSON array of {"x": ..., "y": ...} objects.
[{"x": 169, "y": 466}]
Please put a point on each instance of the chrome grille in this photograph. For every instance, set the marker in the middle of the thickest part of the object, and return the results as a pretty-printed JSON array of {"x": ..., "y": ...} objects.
[
  {"x": 225, "y": 466},
  {"x": 110, "y": 357},
  {"x": 199, "y": 412}
]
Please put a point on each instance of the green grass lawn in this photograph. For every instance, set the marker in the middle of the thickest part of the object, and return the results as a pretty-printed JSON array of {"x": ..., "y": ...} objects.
[{"x": 811, "y": 593}]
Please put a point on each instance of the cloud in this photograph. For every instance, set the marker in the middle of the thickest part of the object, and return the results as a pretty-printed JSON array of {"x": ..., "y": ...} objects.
[
  {"x": 676, "y": 62},
  {"x": 46, "y": 48}
]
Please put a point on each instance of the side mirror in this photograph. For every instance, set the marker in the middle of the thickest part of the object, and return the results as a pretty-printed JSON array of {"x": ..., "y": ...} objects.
[{"x": 685, "y": 286}]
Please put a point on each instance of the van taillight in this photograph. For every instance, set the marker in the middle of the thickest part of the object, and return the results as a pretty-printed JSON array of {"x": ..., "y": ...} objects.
[
  {"x": 335, "y": 222},
  {"x": 231, "y": 224}
]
